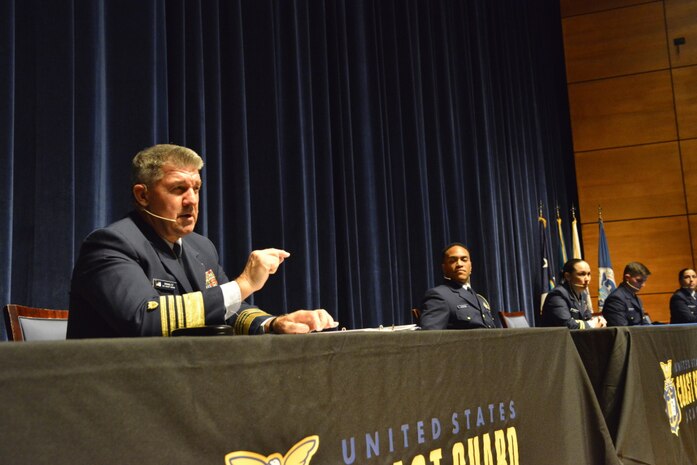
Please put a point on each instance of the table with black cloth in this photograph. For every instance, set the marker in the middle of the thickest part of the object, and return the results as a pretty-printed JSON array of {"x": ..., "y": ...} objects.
[
  {"x": 645, "y": 379},
  {"x": 402, "y": 397}
]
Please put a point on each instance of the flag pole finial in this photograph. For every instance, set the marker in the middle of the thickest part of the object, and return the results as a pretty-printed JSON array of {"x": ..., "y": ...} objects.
[
  {"x": 600, "y": 213},
  {"x": 558, "y": 215},
  {"x": 539, "y": 209},
  {"x": 573, "y": 212}
]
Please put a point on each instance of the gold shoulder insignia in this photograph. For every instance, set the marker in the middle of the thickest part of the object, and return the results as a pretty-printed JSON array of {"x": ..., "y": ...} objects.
[
  {"x": 152, "y": 305},
  {"x": 486, "y": 302}
]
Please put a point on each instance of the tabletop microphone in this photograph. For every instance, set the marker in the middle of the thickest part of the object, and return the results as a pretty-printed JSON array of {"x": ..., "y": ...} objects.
[
  {"x": 158, "y": 216},
  {"x": 633, "y": 287},
  {"x": 578, "y": 285}
]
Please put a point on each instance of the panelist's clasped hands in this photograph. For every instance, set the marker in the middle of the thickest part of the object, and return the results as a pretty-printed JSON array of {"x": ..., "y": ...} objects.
[{"x": 598, "y": 322}]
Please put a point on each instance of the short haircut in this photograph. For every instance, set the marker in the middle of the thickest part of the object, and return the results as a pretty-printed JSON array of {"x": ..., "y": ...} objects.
[
  {"x": 569, "y": 265},
  {"x": 682, "y": 272},
  {"x": 636, "y": 269},
  {"x": 449, "y": 246},
  {"x": 146, "y": 167}
]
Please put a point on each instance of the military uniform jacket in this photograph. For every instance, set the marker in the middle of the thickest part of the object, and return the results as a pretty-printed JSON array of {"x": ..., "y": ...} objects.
[
  {"x": 450, "y": 306},
  {"x": 683, "y": 307},
  {"x": 563, "y": 308},
  {"x": 128, "y": 282},
  {"x": 623, "y": 308}
]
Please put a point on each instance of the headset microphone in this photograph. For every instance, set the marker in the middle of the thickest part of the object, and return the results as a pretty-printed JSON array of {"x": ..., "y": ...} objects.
[{"x": 158, "y": 216}]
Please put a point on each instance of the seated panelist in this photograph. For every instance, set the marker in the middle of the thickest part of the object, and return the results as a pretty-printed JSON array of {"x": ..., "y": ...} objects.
[
  {"x": 150, "y": 273},
  {"x": 623, "y": 307},
  {"x": 567, "y": 305},
  {"x": 454, "y": 304},
  {"x": 683, "y": 303}
]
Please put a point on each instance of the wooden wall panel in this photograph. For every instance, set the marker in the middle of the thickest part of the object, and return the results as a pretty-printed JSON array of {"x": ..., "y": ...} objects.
[
  {"x": 615, "y": 42},
  {"x": 689, "y": 166},
  {"x": 633, "y": 108},
  {"x": 662, "y": 244},
  {"x": 623, "y": 111},
  {"x": 632, "y": 182},
  {"x": 681, "y": 20},
  {"x": 578, "y": 7},
  {"x": 684, "y": 85},
  {"x": 693, "y": 234}
]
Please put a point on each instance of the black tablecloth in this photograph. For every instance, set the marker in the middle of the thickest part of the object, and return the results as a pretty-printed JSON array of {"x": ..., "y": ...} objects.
[
  {"x": 409, "y": 397},
  {"x": 645, "y": 379}
]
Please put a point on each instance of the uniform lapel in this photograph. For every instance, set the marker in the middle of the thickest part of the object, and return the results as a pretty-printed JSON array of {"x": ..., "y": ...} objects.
[
  {"x": 171, "y": 264},
  {"x": 634, "y": 300},
  {"x": 164, "y": 252},
  {"x": 194, "y": 267},
  {"x": 469, "y": 296}
]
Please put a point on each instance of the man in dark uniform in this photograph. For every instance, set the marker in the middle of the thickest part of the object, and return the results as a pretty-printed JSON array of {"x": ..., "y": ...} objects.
[
  {"x": 683, "y": 303},
  {"x": 149, "y": 273},
  {"x": 454, "y": 304},
  {"x": 566, "y": 304},
  {"x": 623, "y": 307}
]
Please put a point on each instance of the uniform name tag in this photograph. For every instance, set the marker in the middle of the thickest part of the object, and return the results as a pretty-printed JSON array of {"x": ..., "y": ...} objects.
[
  {"x": 463, "y": 306},
  {"x": 164, "y": 285}
]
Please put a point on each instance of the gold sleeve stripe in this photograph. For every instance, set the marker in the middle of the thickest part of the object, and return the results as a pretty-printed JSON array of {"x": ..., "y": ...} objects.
[
  {"x": 178, "y": 312},
  {"x": 181, "y": 311},
  {"x": 245, "y": 318},
  {"x": 581, "y": 324},
  {"x": 195, "y": 314},
  {"x": 171, "y": 313},
  {"x": 486, "y": 302},
  {"x": 164, "y": 312}
]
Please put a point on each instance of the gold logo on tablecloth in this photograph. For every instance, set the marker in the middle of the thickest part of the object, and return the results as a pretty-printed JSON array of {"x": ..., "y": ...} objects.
[
  {"x": 300, "y": 454},
  {"x": 671, "y": 398}
]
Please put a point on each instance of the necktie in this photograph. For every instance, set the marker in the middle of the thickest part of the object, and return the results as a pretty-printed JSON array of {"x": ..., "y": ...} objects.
[
  {"x": 179, "y": 253},
  {"x": 177, "y": 249},
  {"x": 472, "y": 294}
]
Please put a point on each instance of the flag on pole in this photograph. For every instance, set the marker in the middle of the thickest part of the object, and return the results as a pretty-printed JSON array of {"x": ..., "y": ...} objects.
[
  {"x": 546, "y": 275},
  {"x": 574, "y": 235},
  {"x": 576, "y": 241},
  {"x": 606, "y": 280},
  {"x": 562, "y": 244}
]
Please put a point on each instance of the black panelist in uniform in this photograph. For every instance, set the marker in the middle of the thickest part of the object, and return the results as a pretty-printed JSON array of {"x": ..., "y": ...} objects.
[
  {"x": 566, "y": 304},
  {"x": 623, "y": 307},
  {"x": 683, "y": 303},
  {"x": 150, "y": 273},
  {"x": 454, "y": 304}
]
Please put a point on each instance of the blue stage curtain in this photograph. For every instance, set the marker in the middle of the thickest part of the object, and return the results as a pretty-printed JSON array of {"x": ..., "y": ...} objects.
[{"x": 360, "y": 135}]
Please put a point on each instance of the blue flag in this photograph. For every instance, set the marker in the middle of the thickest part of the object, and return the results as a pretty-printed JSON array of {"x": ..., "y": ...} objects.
[
  {"x": 561, "y": 255},
  {"x": 606, "y": 279},
  {"x": 546, "y": 275}
]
